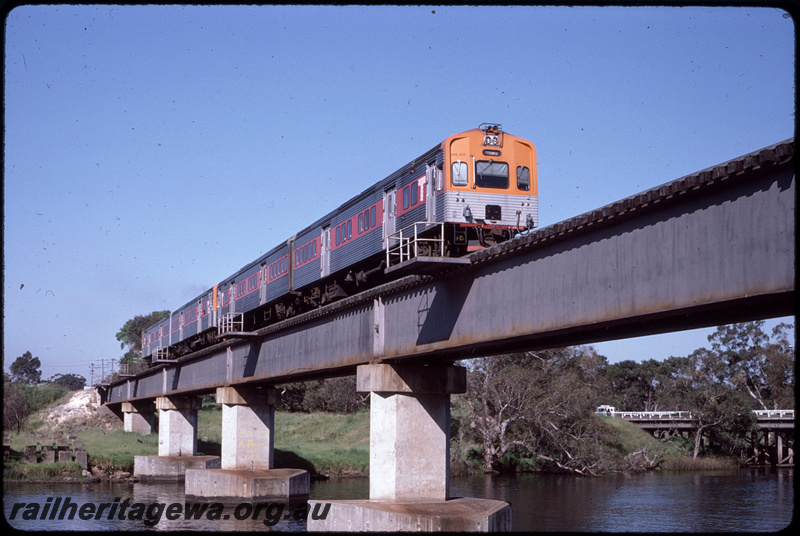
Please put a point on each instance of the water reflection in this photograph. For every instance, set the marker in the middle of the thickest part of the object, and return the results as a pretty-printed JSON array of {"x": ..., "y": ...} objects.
[{"x": 752, "y": 500}]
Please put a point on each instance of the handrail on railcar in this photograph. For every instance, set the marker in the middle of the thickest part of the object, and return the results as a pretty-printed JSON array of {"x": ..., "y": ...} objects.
[
  {"x": 230, "y": 322},
  {"x": 407, "y": 241}
]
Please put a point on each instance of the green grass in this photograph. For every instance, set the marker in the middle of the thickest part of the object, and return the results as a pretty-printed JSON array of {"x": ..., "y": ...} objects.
[
  {"x": 624, "y": 437},
  {"x": 107, "y": 449},
  {"x": 706, "y": 463},
  {"x": 16, "y": 470},
  {"x": 321, "y": 443},
  {"x": 325, "y": 443},
  {"x": 115, "y": 449}
]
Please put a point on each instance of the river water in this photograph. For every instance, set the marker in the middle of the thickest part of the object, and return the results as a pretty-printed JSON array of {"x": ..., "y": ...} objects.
[{"x": 747, "y": 500}]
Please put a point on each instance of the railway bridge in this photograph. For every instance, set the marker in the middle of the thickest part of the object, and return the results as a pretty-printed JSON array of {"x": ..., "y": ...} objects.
[{"x": 714, "y": 247}]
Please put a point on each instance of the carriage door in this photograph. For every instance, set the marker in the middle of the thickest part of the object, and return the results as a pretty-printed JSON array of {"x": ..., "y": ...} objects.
[
  {"x": 325, "y": 252},
  {"x": 430, "y": 191},
  {"x": 389, "y": 215}
]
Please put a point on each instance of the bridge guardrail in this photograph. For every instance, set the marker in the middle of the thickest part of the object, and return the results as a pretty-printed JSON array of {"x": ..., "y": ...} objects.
[
  {"x": 777, "y": 414},
  {"x": 774, "y": 413}
]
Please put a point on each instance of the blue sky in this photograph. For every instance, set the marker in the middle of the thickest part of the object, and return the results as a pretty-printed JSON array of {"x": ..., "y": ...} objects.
[{"x": 151, "y": 151}]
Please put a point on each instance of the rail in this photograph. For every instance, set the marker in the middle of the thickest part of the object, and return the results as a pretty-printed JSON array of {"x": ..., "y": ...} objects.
[{"x": 406, "y": 242}]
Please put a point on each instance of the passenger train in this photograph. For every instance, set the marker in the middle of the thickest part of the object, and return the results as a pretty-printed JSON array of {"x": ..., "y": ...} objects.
[{"x": 473, "y": 190}]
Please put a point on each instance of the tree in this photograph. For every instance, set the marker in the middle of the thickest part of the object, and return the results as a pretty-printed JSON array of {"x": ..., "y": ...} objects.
[
  {"x": 779, "y": 368},
  {"x": 746, "y": 358},
  {"x": 131, "y": 333},
  {"x": 539, "y": 403},
  {"x": 634, "y": 386},
  {"x": 334, "y": 395},
  {"x": 26, "y": 369},
  {"x": 718, "y": 410},
  {"x": 15, "y": 407},
  {"x": 73, "y": 382},
  {"x": 292, "y": 396}
]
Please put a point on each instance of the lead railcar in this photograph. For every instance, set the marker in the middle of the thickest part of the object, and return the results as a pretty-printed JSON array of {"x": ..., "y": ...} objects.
[{"x": 471, "y": 191}]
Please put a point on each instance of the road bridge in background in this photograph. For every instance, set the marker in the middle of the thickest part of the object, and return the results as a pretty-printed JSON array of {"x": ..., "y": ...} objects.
[
  {"x": 772, "y": 419},
  {"x": 773, "y": 444}
]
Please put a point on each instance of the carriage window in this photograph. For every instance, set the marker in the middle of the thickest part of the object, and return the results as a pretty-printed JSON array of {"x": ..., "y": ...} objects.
[
  {"x": 491, "y": 174},
  {"x": 414, "y": 190},
  {"x": 405, "y": 198},
  {"x": 523, "y": 178},
  {"x": 459, "y": 173},
  {"x": 360, "y": 223},
  {"x": 372, "y": 217}
]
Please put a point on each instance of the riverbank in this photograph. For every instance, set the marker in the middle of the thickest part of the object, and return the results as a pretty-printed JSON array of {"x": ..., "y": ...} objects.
[{"x": 327, "y": 445}]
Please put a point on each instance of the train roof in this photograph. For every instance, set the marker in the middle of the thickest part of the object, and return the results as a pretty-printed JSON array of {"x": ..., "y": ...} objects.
[{"x": 377, "y": 187}]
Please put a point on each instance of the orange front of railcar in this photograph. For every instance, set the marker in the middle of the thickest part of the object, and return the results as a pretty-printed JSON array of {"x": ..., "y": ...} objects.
[{"x": 489, "y": 183}]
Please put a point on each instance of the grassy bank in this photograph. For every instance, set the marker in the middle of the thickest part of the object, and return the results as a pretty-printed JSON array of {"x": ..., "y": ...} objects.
[
  {"x": 332, "y": 444},
  {"x": 109, "y": 451},
  {"x": 321, "y": 443},
  {"x": 324, "y": 443},
  {"x": 617, "y": 440}
]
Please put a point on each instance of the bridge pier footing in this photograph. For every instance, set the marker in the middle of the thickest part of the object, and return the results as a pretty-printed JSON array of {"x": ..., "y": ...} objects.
[
  {"x": 409, "y": 483},
  {"x": 247, "y": 462},
  {"x": 177, "y": 441}
]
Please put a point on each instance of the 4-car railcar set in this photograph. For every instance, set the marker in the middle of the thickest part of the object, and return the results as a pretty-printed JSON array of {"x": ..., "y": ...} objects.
[{"x": 471, "y": 191}]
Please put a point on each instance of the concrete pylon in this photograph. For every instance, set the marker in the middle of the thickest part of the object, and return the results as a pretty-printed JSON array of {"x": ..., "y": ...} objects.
[
  {"x": 248, "y": 426},
  {"x": 177, "y": 425},
  {"x": 139, "y": 417},
  {"x": 177, "y": 442},
  {"x": 409, "y": 482},
  {"x": 410, "y": 429},
  {"x": 247, "y": 463}
]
